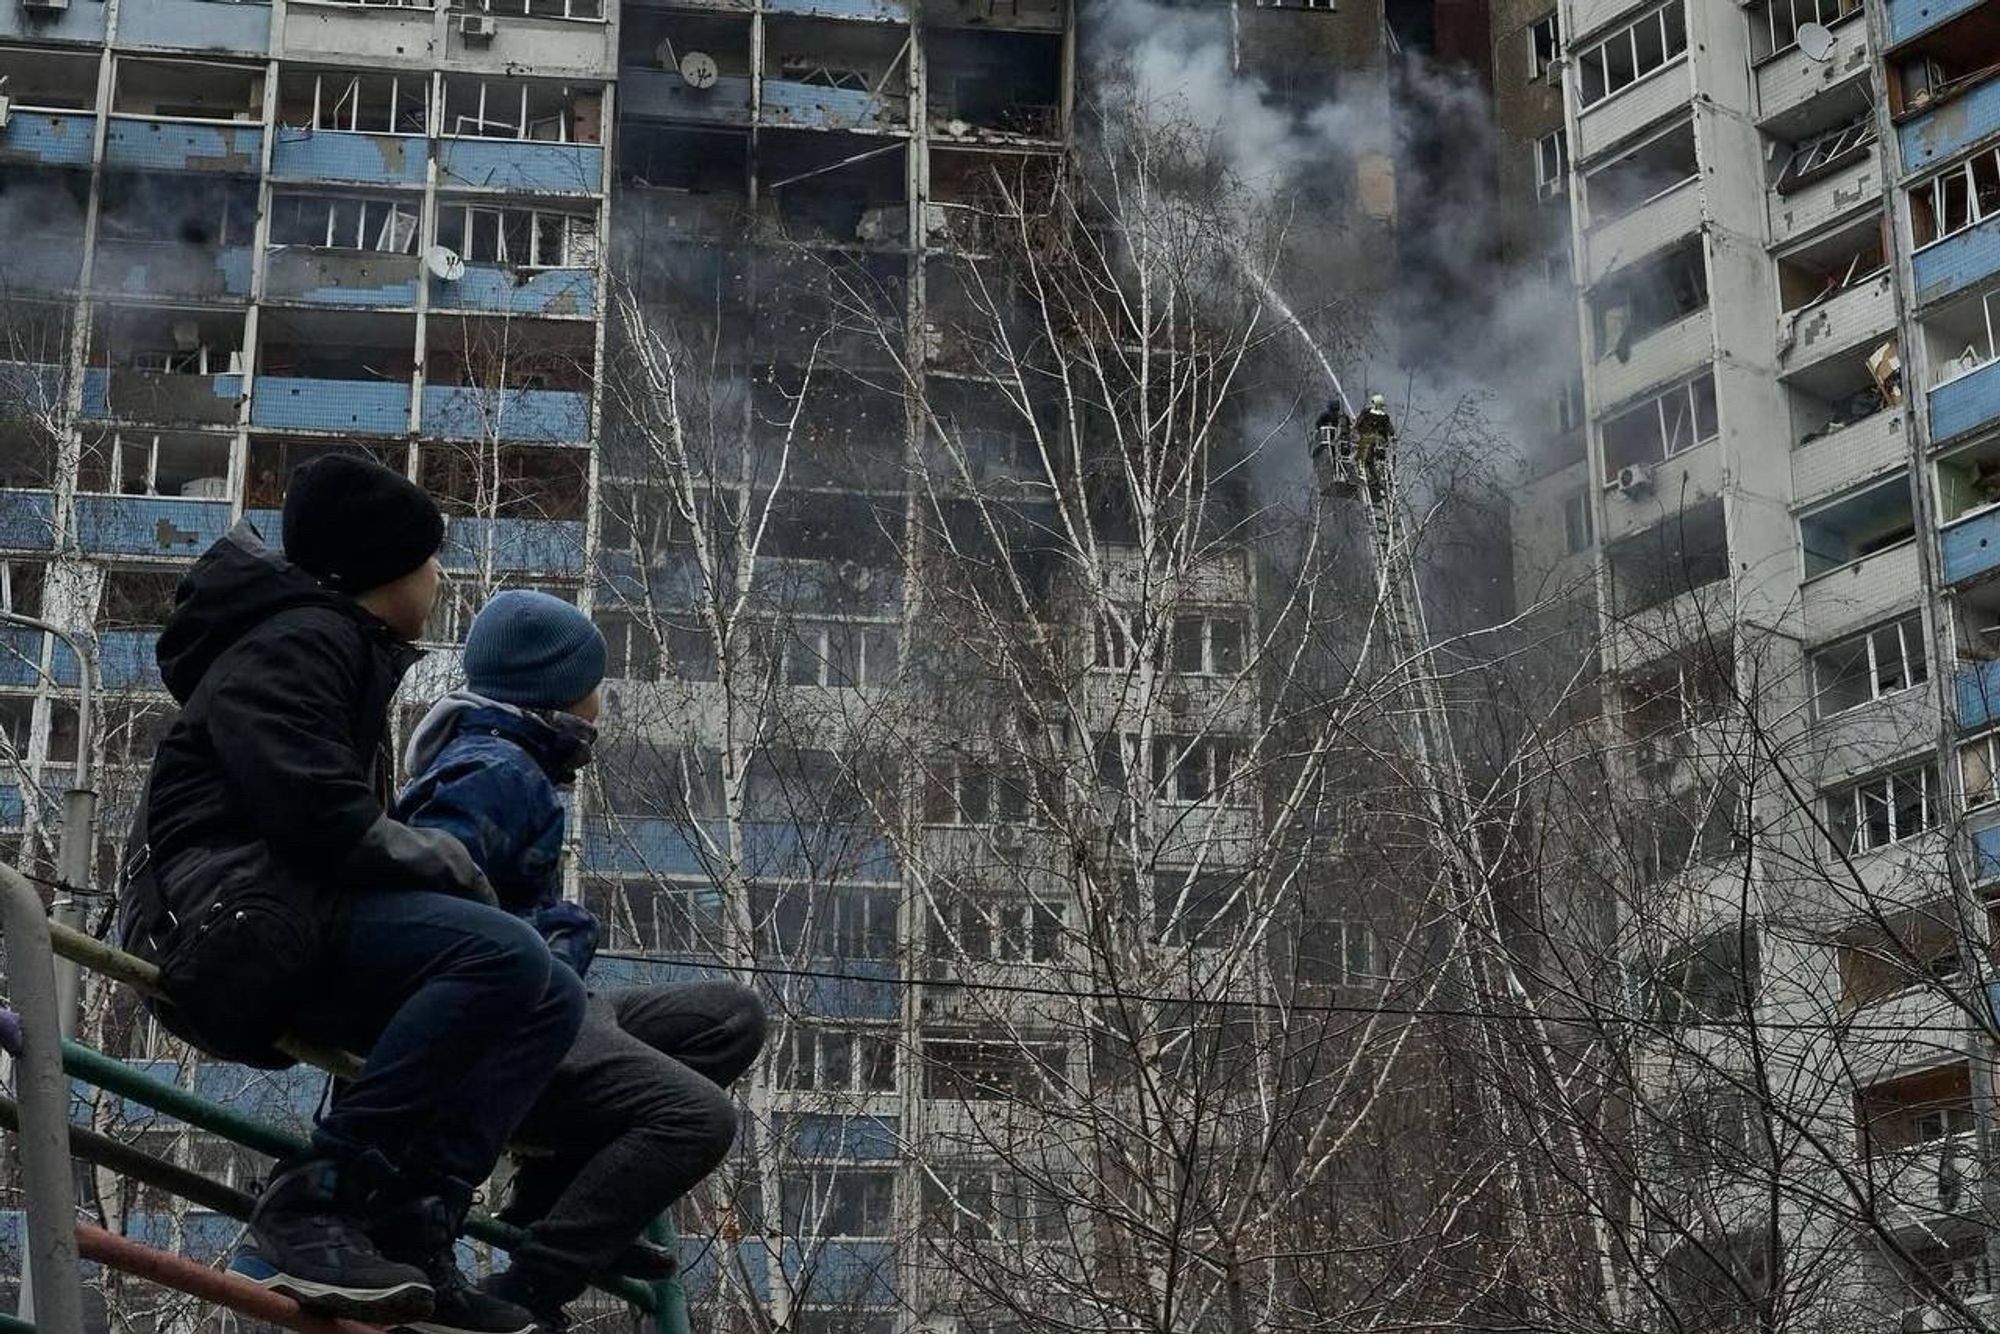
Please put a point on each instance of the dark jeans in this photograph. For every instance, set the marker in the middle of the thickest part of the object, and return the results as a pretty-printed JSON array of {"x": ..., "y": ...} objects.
[
  {"x": 634, "y": 1117},
  {"x": 463, "y": 1016}
]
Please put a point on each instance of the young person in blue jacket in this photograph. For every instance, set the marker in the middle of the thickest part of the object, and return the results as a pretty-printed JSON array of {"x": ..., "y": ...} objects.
[{"x": 635, "y": 1115}]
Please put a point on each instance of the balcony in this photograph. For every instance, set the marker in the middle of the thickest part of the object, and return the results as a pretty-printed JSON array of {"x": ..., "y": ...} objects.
[
  {"x": 1920, "y": 1187},
  {"x": 1664, "y": 355},
  {"x": 148, "y": 143},
  {"x": 27, "y": 520},
  {"x": 126, "y": 659},
  {"x": 1911, "y": 18},
  {"x": 348, "y": 34},
  {"x": 493, "y": 288},
  {"x": 157, "y": 398},
  {"x": 207, "y": 26},
  {"x": 360, "y": 159},
  {"x": 1860, "y": 591},
  {"x": 1969, "y": 548},
  {"x": 148, "y": 525},
  {"x": 521, "y": 165},
  {"x": 1965, "y": 404},
  {"x": 287, "y": 402},
  {"x": 42, "y": 264},
  {"x": 467, "y": 412},
  {"x": 655, "y": 846},
  {"x": 1791, "y": 78},
  {"x": 1836, "y": 461},
  {"x": 1957, "y": 262},
  {"x": 817, "y": 107},
  {"x": 1948, "y": 130},
  {"x": 514, "y": 546},
  {"x": 81, "y": 22},
  {"x": 1864, "y": 312},
  {"x": 1632, "y": 109},
  {"x": 655, "y": 94},
  {"x": 1812, "y": 206},
  {"x": 548, "y": 45},
  {"x": 874, "y": 11},
  {"x": 1977, "y": 688},
  {"x": 147, "y": 268},
  {"x": 353, "y": 280},
  {"x": 49, "y": 138},
  {"x": 1652, "y": 226}
]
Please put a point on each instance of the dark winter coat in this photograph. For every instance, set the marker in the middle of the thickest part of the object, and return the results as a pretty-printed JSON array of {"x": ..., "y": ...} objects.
[
  {"x": 492, "y": 775},
  {"x": 267, "y": 797}
]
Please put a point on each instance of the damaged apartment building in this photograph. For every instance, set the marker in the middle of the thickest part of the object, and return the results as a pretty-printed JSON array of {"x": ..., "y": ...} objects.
[
  {"x": 1772, "y": 495},
  {"x": 241, "y": 234}
]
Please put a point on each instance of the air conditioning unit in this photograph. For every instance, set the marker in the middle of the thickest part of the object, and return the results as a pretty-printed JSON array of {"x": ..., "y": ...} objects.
[
  {"x": 476, "y": 27},
  {"x": 45, "y": 6},
  {"x": 1552, "y": 73},
  {"x": 1007, "y": 837},
  {"x": 1635, "y": 479}
]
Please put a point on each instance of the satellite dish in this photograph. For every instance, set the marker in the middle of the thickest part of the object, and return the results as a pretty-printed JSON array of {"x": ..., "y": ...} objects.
[
  {"x": 1816, "y": 41},
  {"x": 699, "y": 69},
  {"x": 445, "y": 263}
]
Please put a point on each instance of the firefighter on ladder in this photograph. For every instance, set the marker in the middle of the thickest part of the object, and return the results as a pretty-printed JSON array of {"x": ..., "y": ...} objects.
[{"x": 1353, "y": 452}]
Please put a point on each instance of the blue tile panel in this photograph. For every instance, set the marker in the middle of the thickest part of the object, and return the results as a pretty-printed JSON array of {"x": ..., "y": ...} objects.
[
  {"x": 13, "y": 811},
  {"x": 1942, "y": 134},
  {"x": 515, "y": 546},
  {"x": 27, "y": 520},
  {"x": 148, "y": 525},
  {"x": 1907, "y": 18},
  {"x": 197, "y": 25},
  {"x": 1959, "y": 262},
  {"x": 373, "y": 406},
  {"x": 125, "y": 268},
  {"x": 644, "y": 845},
  {"x": 1978, "y": 690},
  {"x": 335, "y": 155},
  {"x": 1986, "y": 852},
  {"x": 53, "y": 138},
  {"x": 861, "y": 989},
  {"x": 125, "y": 660},
  {"x": 850, "y": 1138},
  {"x": 1965, "y": 404},
  {"x": 521, "y": 164},
  {"x": 161, "y": 399},
  {"x": 344, "y": 278},
  {"x": 885, "y": 11},
  {"x": 491, "y": 287},
  {"x": 20, "y": 660},
  {"x": 548, "y": 416},
  {"x": 141, "y": 143},
  {"x": 842, "y": 1272},
  {"x": 664, "y": 95},
  {"x": 809, "y": 104},
  {"x": 1970, "y": 547}
]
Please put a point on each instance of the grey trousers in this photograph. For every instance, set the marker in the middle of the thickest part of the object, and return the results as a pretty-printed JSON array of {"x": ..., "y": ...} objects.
[{"x": 634, "y": 1117}]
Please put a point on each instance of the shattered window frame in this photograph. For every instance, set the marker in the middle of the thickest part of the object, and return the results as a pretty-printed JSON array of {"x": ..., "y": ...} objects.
[
  {"x": 1551, "y": 163},
  {"x": 1969, "y": 188},
  {"x": 1798, "y": 13},
  {"x": 1618, "y": 69},
  {"x": 1677, "y": 426},
  {"x": 369, "y": 224},
  {"x": 1882, "y": 661},
  {"x": 1544, "y": 45},
  {"x": 1826, "y": 153},
  {"x": 1883, "y": 809}
]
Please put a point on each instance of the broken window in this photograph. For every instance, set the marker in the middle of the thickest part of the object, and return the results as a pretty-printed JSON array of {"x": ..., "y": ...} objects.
[
  {"x": 1827, "y": 153},
  {"x": 546, "y": 9},
  {"x": 831, "y": 922},
  {"x": 1198, "y": 909},
  {"x": 1865, "y": 667},
  {"x": 190, "y": 90},
  {"x": 529, "y": 238},
  {"x": 177, "y": 210},
  {"x": 1883, "y": 957},
  {"x": 1777, "y": 28},
  {"x": 975, "y": 790},
  {"x": 1831, "y": 265},
  {"x": 1632, "y": 53},
  {"x": 1649, "y": 295},
  {"x": 344, "y": 222},
  {"x": 1199, "y": 768},
  {"x": 1670, "y": 559},
  {"x": 1856, "y": 526},
  {"x": 1207, "y": 645},
  {"x": 992, "y": 1202},
  {"x": 652, "y": 781},
  {"x": 1979, "y": 766},
  {"x": 1578, "y": 525},
  {"x": 1714, "y": 979},
  {"x": 839, "y": 653},
  {"x": 149, "y": 463},
  {"x": 507, "y": 481},
  {"x": 817, "y": 1059},
  {"x": 1963, "y": 195},
  {"x": 1544, "y": 45},
  {"x": 514, "y": 109},
  {"x": 985, "y": 928},
  {"x": 1657, "y": 428},
  {"x": 45, "y": 80},
  {"x": 843, "y": 1201},
  {"x": 1964, "y": 336},
  {"x": 1885, "y": 809},
  {"x": 1551, "y": 164},
  {"x": 136, "y": 599},
  {"x": 272, "y": 463},
  {"x": 365, "y": 103},
  {"x": 21, "y": 583},
  {"x": 1660, "y": 164},
  {"x": 990, "y": 1071},
  {"x": 656, "y": 916}
]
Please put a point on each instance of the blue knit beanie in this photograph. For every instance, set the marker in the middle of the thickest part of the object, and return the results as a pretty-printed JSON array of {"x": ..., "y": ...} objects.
[{"x": 533, "y": 650}]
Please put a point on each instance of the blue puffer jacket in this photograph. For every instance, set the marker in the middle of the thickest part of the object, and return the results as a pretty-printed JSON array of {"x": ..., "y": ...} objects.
[{"x": 492, "y": 775}]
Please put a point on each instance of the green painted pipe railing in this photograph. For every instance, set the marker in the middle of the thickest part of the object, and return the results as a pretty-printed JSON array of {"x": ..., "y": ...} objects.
[{"x": 114, "y": 1076}]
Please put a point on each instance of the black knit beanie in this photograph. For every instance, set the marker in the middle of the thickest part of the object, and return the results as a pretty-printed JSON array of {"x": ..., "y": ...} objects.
[{"x": 356, "y": 525}]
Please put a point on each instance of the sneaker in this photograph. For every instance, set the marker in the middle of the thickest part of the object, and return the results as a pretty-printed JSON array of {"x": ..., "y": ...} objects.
[
  {"x": 304, "y": 1244},
  {"x": 514, "y": 1285},
  {"x": 424, "y": 1231}
]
